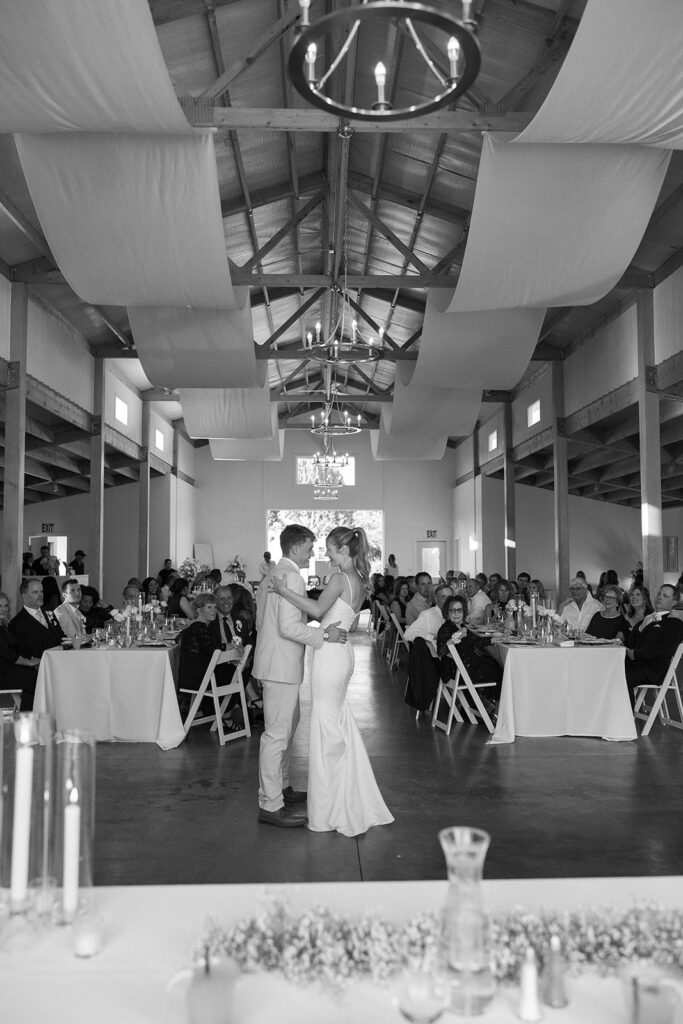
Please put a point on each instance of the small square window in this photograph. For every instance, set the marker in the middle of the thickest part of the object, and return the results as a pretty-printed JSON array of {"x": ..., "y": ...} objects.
[
  {"x": 158, "y": 440},
  {"x": 533, "y": 413},
  {"x": 493, "y": 440},
  {"x": 121, "y": 410}
]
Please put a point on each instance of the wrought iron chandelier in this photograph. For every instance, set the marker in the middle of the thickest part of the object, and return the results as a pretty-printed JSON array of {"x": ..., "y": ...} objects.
[
  {"x": 447, "y": 47},
  {"x": 345, "y": 343}
]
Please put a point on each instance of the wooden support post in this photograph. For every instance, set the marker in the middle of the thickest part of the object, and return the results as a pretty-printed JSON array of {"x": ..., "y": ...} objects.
[
  {"x": 143, "y": 522},
  {"x": 15, "y": 446},
  {"x": 560, "y": 485},
  {"x": 510, "y": 539},
  {"x": 95, "y": 542},
  {"x": 650, "y": 455}
]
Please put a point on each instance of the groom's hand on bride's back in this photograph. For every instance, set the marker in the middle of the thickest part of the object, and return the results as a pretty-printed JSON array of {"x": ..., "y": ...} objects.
[{"x": 334, "y": 634}]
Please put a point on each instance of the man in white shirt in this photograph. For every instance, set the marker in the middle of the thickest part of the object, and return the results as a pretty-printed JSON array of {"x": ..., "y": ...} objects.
[
  {"x": 67, "y": 614},
  {"x": 478, "y": 600},
  {"x": 580, "y": 608},
  {"x": 423, "y": 664},
  {"x": 428, "y": 622},
  {"x": 422, "y": 599}
]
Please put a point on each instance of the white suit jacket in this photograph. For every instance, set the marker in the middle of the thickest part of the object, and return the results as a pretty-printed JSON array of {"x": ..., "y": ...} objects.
[
  {"x": 283, "y": 633},
  {"x": 71, "y": 625}
]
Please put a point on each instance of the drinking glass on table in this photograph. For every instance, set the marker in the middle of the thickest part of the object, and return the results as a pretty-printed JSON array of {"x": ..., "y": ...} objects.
[{"x": 421, "y": 997}]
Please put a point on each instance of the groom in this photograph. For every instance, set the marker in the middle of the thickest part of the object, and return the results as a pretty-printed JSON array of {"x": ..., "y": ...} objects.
[{"x": 279, "y": 663}]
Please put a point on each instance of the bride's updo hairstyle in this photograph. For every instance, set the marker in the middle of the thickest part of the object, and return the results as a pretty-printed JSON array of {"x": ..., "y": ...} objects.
[{"x": 357, "y": 543}]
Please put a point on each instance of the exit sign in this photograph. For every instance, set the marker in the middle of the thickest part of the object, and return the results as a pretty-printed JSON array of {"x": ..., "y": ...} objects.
[
  {"x": 47, "y": 528},
  {"x": 431, "y": 534}
]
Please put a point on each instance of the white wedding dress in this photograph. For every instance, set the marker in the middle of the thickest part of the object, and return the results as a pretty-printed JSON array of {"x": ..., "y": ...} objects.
[{"x": 342, "y": 792}]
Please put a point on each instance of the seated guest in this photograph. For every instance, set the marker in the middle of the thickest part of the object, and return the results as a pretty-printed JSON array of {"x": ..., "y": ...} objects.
[
  {"x": 16, "y": 671},
  {"x": 422, "y": 599},
  {"x": 523, "y": 581},
  {"x": 135, "y": 581},
  {"x": 479, "y": 600},
  {"x": 165, "y": 588},
  {"x": 501, "y": 598},
  {"x": 236, "y": 620},
  {"x": 130, "y": 597},
  {"x": 27, "y": 564},
  {"x": 34, "y": 629},
  {"x": 537, "y": 588},
  {"x": 652, "y": 643},
  {"x": 579, "y": 608},
  {"x": 150, "y": 590},
  {"x": 494, "y": 580},
  {"x": 96, "y": 616},
  {"x": 608, "y": 578},
  {"x": 197, "y": 644},
  {"x": 582, "y": 576},
  {"x": 400, "y": 599},
  {"x": 482, "y": 668},
  {"x": 179, "y": 601},
  {"x": 166, "y": 571},
  {"x": 379, "y": 591},
  {"x": 423, "y": 664},
  {"x": 412, "y": 584},
  {"x": 609, "y": 624},
  {"x": 243, "y": 613},
  {"x": 77, "y": 566},
  {"x": 215, "y": 578},
  {"x": 637, "y": 604},
  {"x": 69, "y": 617}
]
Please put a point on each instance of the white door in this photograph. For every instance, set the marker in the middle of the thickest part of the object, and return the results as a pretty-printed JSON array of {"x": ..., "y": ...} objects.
[{"x": 431, "y": 557}]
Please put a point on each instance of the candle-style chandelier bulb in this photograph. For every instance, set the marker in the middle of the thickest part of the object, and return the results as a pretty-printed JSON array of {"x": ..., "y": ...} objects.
[
  {"x": 380, "y": 81},
  {"x": 453, "y": 50},
  {"x": 311, "y": 55}
]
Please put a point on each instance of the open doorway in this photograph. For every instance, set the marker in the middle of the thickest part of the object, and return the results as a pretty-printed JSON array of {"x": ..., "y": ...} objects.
[{"x": 321, "y": 521}]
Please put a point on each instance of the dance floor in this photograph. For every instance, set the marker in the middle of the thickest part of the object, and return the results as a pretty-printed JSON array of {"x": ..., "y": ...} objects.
[{"x": 556, "y": 807}]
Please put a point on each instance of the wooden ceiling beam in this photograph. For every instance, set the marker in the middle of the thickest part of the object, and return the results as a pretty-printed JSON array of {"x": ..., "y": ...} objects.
[{"x": 282, "y": 233}]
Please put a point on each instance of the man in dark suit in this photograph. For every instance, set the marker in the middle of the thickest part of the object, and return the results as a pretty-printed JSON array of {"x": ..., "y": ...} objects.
[
  {"x": 33, "y": 629},
  {"x": 223, "y": 631},
  {"x": 654, "y": 642}
]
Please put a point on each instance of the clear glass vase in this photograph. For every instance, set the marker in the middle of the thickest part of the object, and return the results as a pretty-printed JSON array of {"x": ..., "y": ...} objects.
[{"x": 465, "y": 951}]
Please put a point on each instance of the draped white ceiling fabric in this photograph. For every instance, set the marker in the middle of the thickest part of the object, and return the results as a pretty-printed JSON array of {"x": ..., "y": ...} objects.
[
  {"x": 203, "y": 348},
  {"x": 232, "y": 413},
  {"x": 622, "y": 80},
  {"x": 132, "y": 220},
  {"x": 84, "y": 65},
  {"x": 430, "y": 412},
  {"x": 555, "y": 225},
  {"x": 484, "y": 349},
  {"x": 387, "y": 448},
  {"x": 256, "y": 449}
]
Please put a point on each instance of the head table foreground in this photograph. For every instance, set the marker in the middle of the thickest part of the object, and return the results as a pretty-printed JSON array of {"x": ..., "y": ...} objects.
[{"x": 152, "y": 931}]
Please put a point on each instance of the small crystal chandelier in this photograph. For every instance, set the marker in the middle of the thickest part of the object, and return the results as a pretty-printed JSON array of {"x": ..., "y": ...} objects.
[
  {"x": 325, "y": 493},
  {"x": 447, "y": 48}
]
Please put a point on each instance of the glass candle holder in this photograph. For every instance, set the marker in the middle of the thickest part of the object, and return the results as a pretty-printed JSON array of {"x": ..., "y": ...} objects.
[
  {"x": 74, "y": 823},
  {"x": 26, "y": 790}
]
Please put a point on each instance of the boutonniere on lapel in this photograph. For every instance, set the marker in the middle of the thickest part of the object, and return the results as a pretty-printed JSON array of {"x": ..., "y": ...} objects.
[{"x": 51, "y": 618}]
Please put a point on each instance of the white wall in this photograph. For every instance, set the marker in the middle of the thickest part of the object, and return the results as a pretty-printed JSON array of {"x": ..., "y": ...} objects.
[
  {"x": 668, "y": 316},
  {"x": 233, "y": 498},
  {"x": 602, "y": 362},
  {"x": 58, "y": 356}
]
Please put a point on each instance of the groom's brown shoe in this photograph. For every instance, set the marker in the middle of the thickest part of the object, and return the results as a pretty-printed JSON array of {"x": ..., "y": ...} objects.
[
  {"x": 293, "y": 796},
  {"x": 282, "y": 818}
]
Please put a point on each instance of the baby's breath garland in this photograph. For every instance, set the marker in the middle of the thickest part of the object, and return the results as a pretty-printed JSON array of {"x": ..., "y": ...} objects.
[{"x": 322, "y": 946}]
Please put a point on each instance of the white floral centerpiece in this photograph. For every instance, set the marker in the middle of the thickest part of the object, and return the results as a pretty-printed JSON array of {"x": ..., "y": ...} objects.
[
  {"x": 191, "y": 568},
  {"x": 237, "y": 567},
  {"x": 323, "y": 946}
]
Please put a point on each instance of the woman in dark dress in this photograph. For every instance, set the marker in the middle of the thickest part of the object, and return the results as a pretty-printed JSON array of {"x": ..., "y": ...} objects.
[
  {"x": 609, "y": 624},
  {"x": 482, "y": 667},
  {"x": 197, "y": 644},
  {"x": 179, "y": 603},
  {"x": 400, "y": 599},
  {"x": 16, "y": 672}
]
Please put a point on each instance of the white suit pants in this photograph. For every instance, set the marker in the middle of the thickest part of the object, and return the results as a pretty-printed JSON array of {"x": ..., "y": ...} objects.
[{"x": 281, "y": 717}]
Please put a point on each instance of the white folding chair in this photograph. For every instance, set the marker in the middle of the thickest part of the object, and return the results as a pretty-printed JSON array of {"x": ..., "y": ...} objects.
[
  {"x": 220, "y": 695},
  {"x": 399, "y": 639},
  {"x": 457, "y": 691},
  {"x": 383, "y": 620},
  {"x": 667, "y": 688}
]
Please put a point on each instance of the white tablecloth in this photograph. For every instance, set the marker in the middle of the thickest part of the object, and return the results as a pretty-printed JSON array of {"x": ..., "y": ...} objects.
[
  {"x": 151, "y": 931},
  {"x": 115, "y": 694},
  {"x": 564, "y": 691}
]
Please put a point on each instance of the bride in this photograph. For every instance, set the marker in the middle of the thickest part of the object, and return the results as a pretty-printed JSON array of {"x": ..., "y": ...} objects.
[{"x": 342, "y": 792}]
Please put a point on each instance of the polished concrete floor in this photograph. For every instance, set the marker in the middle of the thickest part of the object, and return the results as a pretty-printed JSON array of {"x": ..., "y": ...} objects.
[{"x": 554, "y": 807}]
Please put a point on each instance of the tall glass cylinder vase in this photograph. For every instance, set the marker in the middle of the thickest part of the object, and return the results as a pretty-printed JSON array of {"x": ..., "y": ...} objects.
[
  {"x": 465, "y": 951},
  {"x": 74, "y": 821},
  {"x": 26, "y": 808}
]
